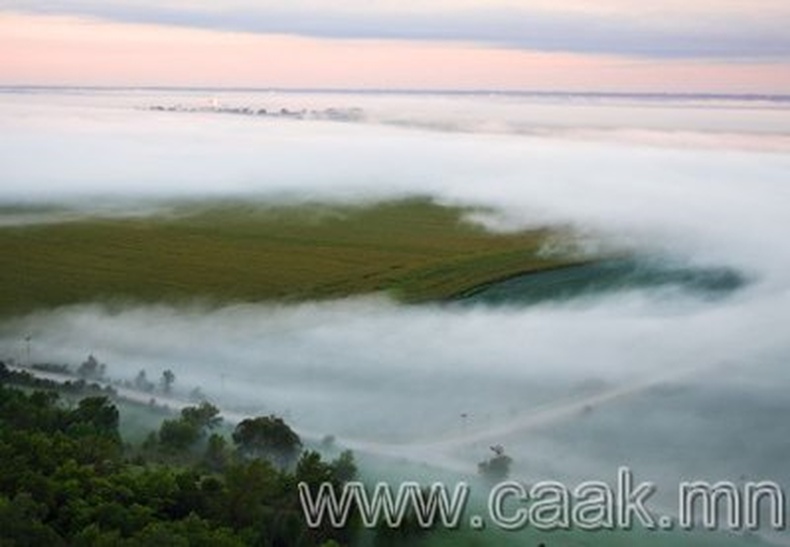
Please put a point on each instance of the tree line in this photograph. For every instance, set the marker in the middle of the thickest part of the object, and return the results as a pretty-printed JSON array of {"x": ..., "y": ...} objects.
[{"x": 68, "y": 478}]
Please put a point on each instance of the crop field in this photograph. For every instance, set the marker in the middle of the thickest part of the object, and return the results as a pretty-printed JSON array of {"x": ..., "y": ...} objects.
[{"x": 222, "y": 252}]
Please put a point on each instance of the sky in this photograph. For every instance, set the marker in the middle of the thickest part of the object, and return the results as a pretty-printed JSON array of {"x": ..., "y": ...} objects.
[{"x": 724, "y": 46}]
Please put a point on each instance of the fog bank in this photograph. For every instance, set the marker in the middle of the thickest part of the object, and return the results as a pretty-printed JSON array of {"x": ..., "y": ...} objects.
[{"x": 701, "y": 383}]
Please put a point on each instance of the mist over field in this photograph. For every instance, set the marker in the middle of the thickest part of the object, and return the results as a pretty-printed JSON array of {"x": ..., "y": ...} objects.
[
  {"x": 94, "y": 150},
  {"x": 698, "y": 385}
]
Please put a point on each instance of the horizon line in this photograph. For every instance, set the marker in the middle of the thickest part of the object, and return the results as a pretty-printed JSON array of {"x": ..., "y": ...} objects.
[{"x": 407, "y": 91}]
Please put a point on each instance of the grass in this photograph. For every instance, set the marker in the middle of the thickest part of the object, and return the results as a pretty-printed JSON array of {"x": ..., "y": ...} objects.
[{"x": 226, "y": 252}]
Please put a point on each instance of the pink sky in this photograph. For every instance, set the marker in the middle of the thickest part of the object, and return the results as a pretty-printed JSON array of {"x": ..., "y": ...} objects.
[{"x": 70, "y": 50}]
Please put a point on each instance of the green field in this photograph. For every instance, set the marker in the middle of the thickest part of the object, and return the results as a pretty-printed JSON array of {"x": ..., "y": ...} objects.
[{"x": 222, "y": 252}]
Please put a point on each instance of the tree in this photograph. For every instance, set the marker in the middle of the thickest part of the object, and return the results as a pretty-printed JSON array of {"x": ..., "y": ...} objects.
[
  {"x": 190, "y": 427},
  {"x": 313, "y": 471},
  {"x": 21, "y": 522},
  {"x": 141, "y": 382},
  {"x": 64, "y": 481},
  {"x": 216, "y": 456},
  {"x": 91, "y": 369},
  {"x": 267, "y": 437},
  {"x": 204, "y": 416},
  {"x": 178, "y": 435},
  {"x": 100, "y": 413},
  {"x": 344, "y": 468},
  {"x": 496, "y": 468},
  {"x": 167, "y": 380}
]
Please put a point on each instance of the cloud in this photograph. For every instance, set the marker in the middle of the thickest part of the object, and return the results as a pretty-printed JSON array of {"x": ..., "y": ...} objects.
[{"x": 721, "y": 34}]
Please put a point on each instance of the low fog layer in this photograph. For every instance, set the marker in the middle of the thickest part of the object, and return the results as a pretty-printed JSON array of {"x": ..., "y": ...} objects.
[
  {"x": 673, "y": 388},
  {"x": 92, "y": 151},
  {"x": 701, "y": 384}
]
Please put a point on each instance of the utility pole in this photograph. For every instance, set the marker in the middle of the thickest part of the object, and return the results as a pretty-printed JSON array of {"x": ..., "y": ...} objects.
[{"x": 28, "y": 338}]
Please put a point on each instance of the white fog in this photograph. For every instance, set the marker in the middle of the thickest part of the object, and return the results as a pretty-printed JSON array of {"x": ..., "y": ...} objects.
[{"x": 665, "y": 381}]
